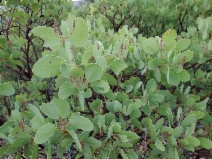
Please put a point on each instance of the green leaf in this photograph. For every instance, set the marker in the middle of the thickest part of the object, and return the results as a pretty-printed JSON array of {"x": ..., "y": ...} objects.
[
  {"x": 48, "y": 35},
  {"x": 169, "y": 39},
  {"x": 159, "y": 123},
  {"x": 75, "y": 138},
  {"x": 117, "y": 106},
  {"x": 123, "y": 155},
  {"x": 67, "y": 26},
  {"x": 121, "y": 96},
  {"x": 116, "y": 127},
  {"x": 95, "y": 104},
  {"x": 200, "y": 106},
  {"x": 210, "y": 45},
  {"x": 193, "y": 141},
  {"x": 199, "y": 114},
  {"x": 50, "y": 110},
  {"x": 93, "y": 72},
  {"x": 35, "y": 152},
  {"x": 141, "y": 64},
  {"x": 79, "y": 35},
  {"x": 65, "y": 70},
  {"x": 66, "y": 143},
  {"x": 2, "y": 150},
  {"x": 173, "y": 140},
  {"x": 117, "y": 66},
  {"x": 156, "y": 97},
  {"x": 102, "y": 62},
  {"x": 176, "y": 156},
  {"x": 132, "y": 154},
  {"x": 81, "y": 122},
  {"x": 157, "y": 74},
  {"x": 110, "y": 79},
  {"x": 185, "y": 56},
  {"x": 3, "y": 136},
  {"x": 44, "y": 133},
  {"x": 60, "y": 151},
  {"x": 169, "y": 35},
  {"x": 15, "y": 115},
  {"x": 35, "y": 112},
  {"x": 68, "y": 51},
  {"x": 190, "y": 119},
  {"x": 146, "y": 122},
  {"x": 150, "y": 46},
  {"x": 66, "y": 90},
  {"x": 129, "y": 88},
  {"x": 130, "y": 135},
  {"x": 184, "y": 76},
  {"x": 93, "y": 142},
  {"x": 205, "y": 143},
  {"x": 97, "y": 49},
  {"x": 178, "y": 131},
  {"x": 159, "y": 144},
  {"x": 35, "y": 7},
  {"x": 18, "y": 156},
  {"x": 100, "y": 86},
  {"x": 81, "y": 100},
  {"x": 77, "y": 73},
  {"x": 152, "y": 131},
  {"x": 191, "y": 129},
  {"x": 20, "y": 142},
  {"x": 11, "y": 150},
  {"x": 170, "y": 116},
  {"x": 151, "y": 85},
  {"x": 110, "y": 132},
  {"x": 62, "y": 107},
  {"x": 182, "y": 44},
  {"x": 47, "y": 66},
  {"x": 190, "y": 102},
  {"x": 120, "y": 48},
  {"x": 36, "y": 123},
  {"x": 173, "y": 78},
  {"x": 153, "y": 64},
  {"x": 17, "y": 132},
  {"x": 6, "y": 90}
]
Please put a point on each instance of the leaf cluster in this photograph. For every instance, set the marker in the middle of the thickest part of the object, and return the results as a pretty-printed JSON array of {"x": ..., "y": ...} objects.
[{"x": 116, "y": 93}]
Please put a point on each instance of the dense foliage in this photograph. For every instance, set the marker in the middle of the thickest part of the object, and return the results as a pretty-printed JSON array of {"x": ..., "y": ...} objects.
[
  {"x": 131, "y": 79},
  {"x": 19, "y": 49}
]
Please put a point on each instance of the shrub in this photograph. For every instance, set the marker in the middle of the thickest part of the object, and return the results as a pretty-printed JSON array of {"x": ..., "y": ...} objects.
[
  {"x": 116, "y": 94},
  {"x": 19, "y": 50}
]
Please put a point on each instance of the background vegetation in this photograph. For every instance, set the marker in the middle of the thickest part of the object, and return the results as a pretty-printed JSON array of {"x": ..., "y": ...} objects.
[{"x": 110, "y": 79}]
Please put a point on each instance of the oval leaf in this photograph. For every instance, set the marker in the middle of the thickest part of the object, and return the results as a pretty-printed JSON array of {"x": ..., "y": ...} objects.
[
  {"x": 82, "y": 123},
  {"x": 159, "y": 144},
  {"x": 117, "y": 66},
  {"x": 50, "y": 110},
  {"x": 205, "y": 143},
  {"x": 79, "y": 35},
  {"x": 66, "y": 90},
  {"x": 190, "y": 119},
  {"x": 153, "y": 64},
  {"x": 93, "y": 72},
  {"x": 47, "y": 66},
  {"x": 184, "y": 76},
  {"x": 62, "y": 106},
  {"x": 6, "y": 90},
  {"x": 100, "y": 86},
  {"x": 150, "y": 46},
  {"x": 182, "y": 44},
  {"x": 44, "y": 133}
]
